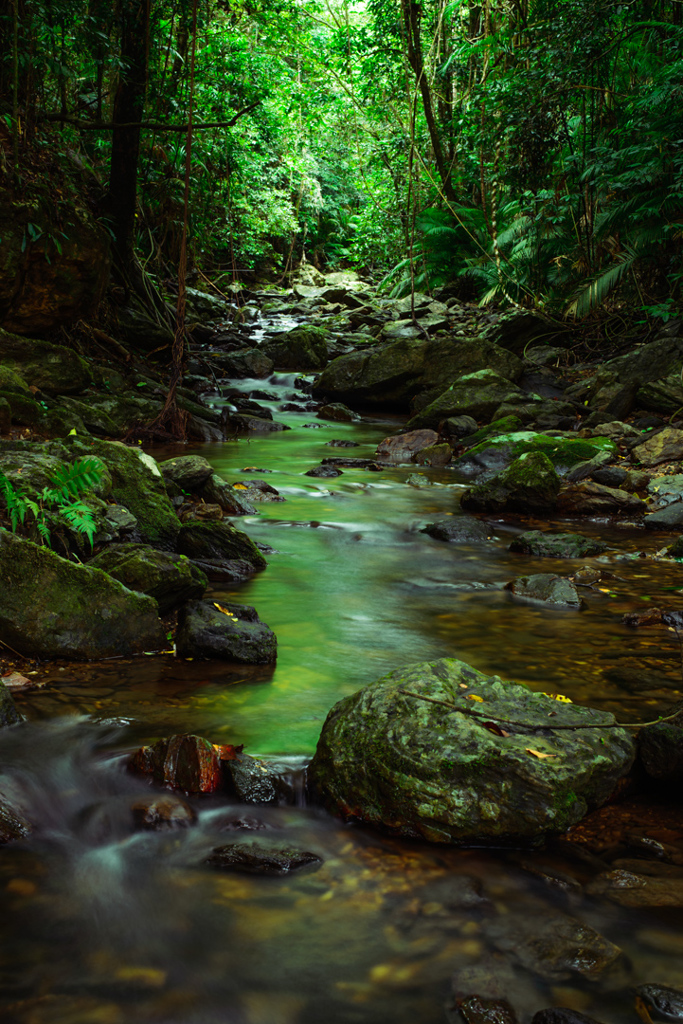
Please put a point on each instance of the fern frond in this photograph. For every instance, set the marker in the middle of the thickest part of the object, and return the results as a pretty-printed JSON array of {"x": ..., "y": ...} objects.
[{"x": 599, "y": 288}]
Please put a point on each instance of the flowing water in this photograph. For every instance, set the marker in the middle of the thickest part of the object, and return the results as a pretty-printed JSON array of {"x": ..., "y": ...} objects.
[{"x": 104, "y": 924}]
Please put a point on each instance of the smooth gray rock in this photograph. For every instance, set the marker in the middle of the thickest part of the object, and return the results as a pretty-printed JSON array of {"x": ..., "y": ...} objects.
[{"x": 236, "y": 634}]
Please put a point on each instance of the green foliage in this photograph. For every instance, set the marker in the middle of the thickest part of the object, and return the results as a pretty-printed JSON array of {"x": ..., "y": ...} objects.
[{"x": 67, "y": 483}]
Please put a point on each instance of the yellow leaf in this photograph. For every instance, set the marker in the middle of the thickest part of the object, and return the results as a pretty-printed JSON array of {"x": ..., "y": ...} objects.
[
  {"x": 240, "y": 487},
  {"x": 473, "y": 696},
  {"x": 226, "y": 611},
  {"x": 560, "y": 696},
  {"x": 539, "y": 754}
]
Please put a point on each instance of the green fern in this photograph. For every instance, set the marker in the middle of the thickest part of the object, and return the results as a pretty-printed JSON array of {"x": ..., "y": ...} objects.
[{"x": 67, "y": 482}]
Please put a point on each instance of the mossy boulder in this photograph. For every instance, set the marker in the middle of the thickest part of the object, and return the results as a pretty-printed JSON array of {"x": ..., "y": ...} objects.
[
  {"x": 169, "y": 578},
  {"x": 556, "y": 545},
  {"x": 416, "y": 372},
  {"x": 53, "y": 608},
  {"x": 113, "y": 415},
  {"x": 303, "y": 348},
  {"x": 54, "y": 369},
  {"x": 438, "y": 771},
  {"x": 563, "y": 452},
  {"x": 136, "y": 483},
  {"x": 188, "y": 472},
  {"x": 218, "y": 541},
  {"x": 233, "y": 632},
  {"x": 475, "y": 394},
  {"x": 529, "y": 484},
  {"x": 24, "y": 409}
]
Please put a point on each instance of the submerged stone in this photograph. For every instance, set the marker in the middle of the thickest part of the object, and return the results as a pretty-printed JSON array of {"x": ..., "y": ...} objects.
[
  {"x": 529, "y": 484},
  {"x": 459, "y": 530},
  {"x": 185, "y": 762},
  {"x": 556, "y": 545},
  {"x": 439, "y": 768},
  {"x": 544, "y": 588},
  {"x": 260, "y": 859}
]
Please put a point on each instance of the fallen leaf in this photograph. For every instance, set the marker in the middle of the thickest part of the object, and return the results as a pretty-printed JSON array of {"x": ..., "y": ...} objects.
[
  {"x": 539, "y": 754},
  {"x": 494, "y": 727},
  {"x": 226, "y": 611},
  {"x": 473, "y": 696},
  {"x": 240, "y": 487},
  {"x": 228, "y": 752},
  {"x": 463, "y": 686}
]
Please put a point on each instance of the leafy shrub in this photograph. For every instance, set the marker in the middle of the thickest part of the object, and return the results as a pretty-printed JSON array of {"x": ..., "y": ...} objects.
[{"x": 62, "y": 496}]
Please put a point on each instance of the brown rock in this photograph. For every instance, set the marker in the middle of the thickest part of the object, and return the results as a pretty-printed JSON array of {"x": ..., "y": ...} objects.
[
  {"x": 185, "y": 762},
  {"x": 402, "y": 447},
  {"x": 666, "y": 446},
  {"x": 589, "y": 498}
]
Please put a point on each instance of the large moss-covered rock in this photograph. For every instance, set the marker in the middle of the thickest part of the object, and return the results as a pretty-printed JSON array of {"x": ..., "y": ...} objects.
[
  {"x": 394, "y": 376},
  {"x": 54, "y": 369},
  {"x": 303, "y": 348},
  {"x": 233, "y": 632},
  {"x": 476, "y": 394},
  {"x": 169, "y": 578},
  {"x": 529, "y": 484},
  {"x": 218, "y": 541},
  {"x": 495, "y": 453},
  {"x": 53, "y": 608},
  {"x": 113, "y": 415},
  {"x": 136, "y": 483},
  {"x": 440, "y": 772}
]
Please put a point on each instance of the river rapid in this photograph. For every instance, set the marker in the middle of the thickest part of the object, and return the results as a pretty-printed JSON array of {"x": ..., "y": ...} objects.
[{"x": 103, "y": 925}]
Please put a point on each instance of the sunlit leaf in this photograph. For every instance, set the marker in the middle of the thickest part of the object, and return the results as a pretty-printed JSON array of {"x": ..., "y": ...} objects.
[{"x": 538, "y": 753}]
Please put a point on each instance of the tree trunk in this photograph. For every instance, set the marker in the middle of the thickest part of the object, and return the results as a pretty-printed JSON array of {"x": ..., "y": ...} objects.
[{"x": 128, "y": 108}]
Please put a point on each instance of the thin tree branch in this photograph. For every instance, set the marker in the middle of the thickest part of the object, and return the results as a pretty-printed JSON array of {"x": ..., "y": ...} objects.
[{"x": 92, "y": 126}]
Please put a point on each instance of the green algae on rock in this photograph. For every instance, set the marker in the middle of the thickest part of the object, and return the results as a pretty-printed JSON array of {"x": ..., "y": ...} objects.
[
  {"x": 529, "y": 484},
  {"x": 52, "y": 608},
  {"x": 563, "y": 452},
  {"x": 390, "y": 756},
  {"x": 556, "y": 545}
]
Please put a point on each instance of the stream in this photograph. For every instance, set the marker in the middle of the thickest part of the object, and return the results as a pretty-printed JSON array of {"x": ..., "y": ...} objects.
[{"x": 103, "y": 925}]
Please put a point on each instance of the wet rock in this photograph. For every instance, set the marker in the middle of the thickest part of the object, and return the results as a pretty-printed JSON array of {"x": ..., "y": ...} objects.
[
  {"x": 185, "y": 762},
  {"x": 529, "y": 484},
  {"x": 519, "y": 329},
  {"x": 665, "y": 446},
  {"x": 220, "y": 542},
  {"x": 610, "y": 476},
  {"x": 557, "y": 947},
  {"x": 260, "y": 859},
  {"x": 476, "y": 1010},
  {"x": 5, "y": 416},
  {"x": 459, "y": 530},
  {"x": 53, "y": 608},
  {"x": 324, "y": 471},
  {"x": 588, "y": 467},
  {"x": 302, "y": 348},
  {"x": 506, "y": 425},
  {"x": 350, "y": 463},
  {"x": 231, "y": 499},
  {"x": 544, "y": 588},
  {"x": 649, "y": 617},
  {"x": 669, "y": 518},
  {"x": 661, "y": 751},
  {"x": 392, "y": 375},
  {"x": 475, "y": 394},
  {"x": 418, "y": 480},
  {"x": 225, "y": 571},
  {"x": 564, "y": 452},
  {"x": 155, "y": 813},
  {"x": 458, "y": 426},
  {"x": 13, "y": 825},
  {"x": 9, "y": 713},
  {"x": 339, "y": 412},
  {"x": 233, "y": 632},
  {"x": 191, "y": 512},
  {"x": 434, "y": 455},
  {"x": 342, "y": 443},
  {"x": 590, "y": 498},
  {"x": 254, "y": 781},
  {"x": 247, "y": 362},
  {"x": 562, "y": 1015},
  {"x": 664, "y": 395},
  {"x": 556, "y": 545},
  {"x": 243, "y": 423},
  {"x": 188, "y": 472},
  {"x": 661, "y": 1001},
  {"x": 665, "y": 490},
  {"x": 402, "y": 447},
  {"x": 168, "y": 578},
  {"x": 631, "y": 890},
  {"x": 389, "y": 757}
]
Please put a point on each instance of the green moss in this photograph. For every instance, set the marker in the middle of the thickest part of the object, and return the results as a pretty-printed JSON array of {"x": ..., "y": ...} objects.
[{"x": 562, "y": 451}]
